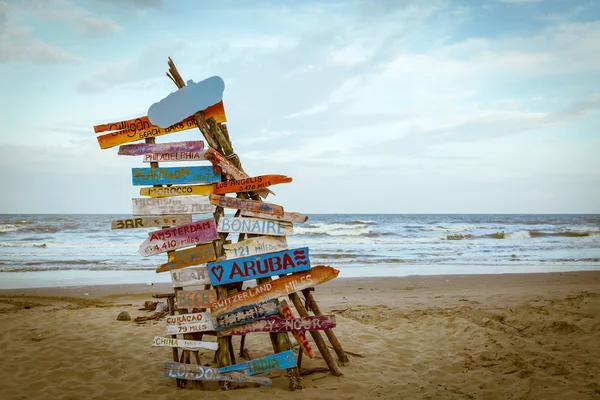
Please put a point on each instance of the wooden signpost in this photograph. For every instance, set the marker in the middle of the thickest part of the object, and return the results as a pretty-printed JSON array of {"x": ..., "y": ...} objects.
[
  {"x": 198, "y": 373},
  {"x": 261, "y": 266},
  {"x": 181, "y": 236},
  {"x": 246, "y": 314},
  {"x": 286, "y": 312},
  {"x": 182, "y": 329},
  {"x": 283, "y": 360},
  {"x": 174, "y": 175},
  {"x": 184, "y": 258},
  {"x": 190, "y": 299},
  {"x": 151, "y": 222},
  {"x": 174, "y": 157},
  {"x": 275, "y": 324},
  {"x": 188, "y": 318},
  {"x": 287, "y": 216},
  {"x": 254, "y": 246},
  {"x": 243, "y": 204},
  {"x": 170, "y": 191},
  {"x": 274, "y": 289},
  {"x": 196, "y": 276},
  {"x": 140, "y": 149},
  {"x": 250, "y": 184},
  {"x": 160, "y": 341},
  {"x": 172, "y": 205},
  {"x": 255, "y": 226}
]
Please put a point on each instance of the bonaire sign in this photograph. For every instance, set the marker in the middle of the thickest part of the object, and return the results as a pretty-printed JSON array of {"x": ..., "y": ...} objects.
[{"x": 254, "y": 226}]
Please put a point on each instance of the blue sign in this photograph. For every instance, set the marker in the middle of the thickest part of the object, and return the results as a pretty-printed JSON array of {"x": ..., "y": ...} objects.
[
  {"x": 283, "y": 360},
  {"x": 173, "y": 175}
]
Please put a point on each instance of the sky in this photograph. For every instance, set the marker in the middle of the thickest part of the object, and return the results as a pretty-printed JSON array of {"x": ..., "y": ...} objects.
[{"x": 370, "y": 106}]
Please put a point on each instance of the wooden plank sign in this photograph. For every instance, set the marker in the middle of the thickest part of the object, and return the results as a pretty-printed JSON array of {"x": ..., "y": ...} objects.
[
  {"x": 274, "y": 289},
  {"x": 172, "y": 205},
  {"x": 180, "y": 329},
  {"x": 190, "y": 277},
  {"x": 283, "y": 360},
  {"x": 169, "y": 191},
  {"x": 243, "y": 204},
  {"x": 174, "y": 156},
  {"x": 184, "y": 258},
  {"x": 246, "y": 314},
  {"x": 276, "y": 324},
  {"x": 183, "y": 319},
  {"x": 261, "y": 266},
  {"x": 186, "y": 101},
  {"x": 160, "y": 341},
  {"x": 140, "y": 149},
  {"x": 181, "y": 236},
  {"x": 174, "y": 175},
  {"x": 198, "y": 373},
  {"x": 286, "y": 312},
  {"x": 250, "y": 184},
  {"x": 151, "y": 222},
  {"x": 255, "y": 245},
  {"x": 287, "y": 216},
  {"x": 255, "y": 226},
  {"x": 190, "y": 299}
]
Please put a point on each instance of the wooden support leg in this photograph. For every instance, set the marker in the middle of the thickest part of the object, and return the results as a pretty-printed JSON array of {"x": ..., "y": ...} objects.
[
  {"x": 242, "y": 343},
  {"x": 337, "y": 346},
  {"x": 316, "y": 335},
  {"x": 299, "y": 357},
  {"x": 223, "y": 355}
]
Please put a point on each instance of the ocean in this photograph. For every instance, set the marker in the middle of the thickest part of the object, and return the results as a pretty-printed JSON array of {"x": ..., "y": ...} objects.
[{"x": 39, "y": 250}]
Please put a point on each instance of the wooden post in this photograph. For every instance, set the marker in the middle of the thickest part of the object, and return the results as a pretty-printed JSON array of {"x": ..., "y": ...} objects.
[{"x": 337, "y": 346}]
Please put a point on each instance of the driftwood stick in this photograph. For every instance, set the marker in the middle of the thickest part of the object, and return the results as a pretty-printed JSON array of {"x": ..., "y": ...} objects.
[{"x": 337, "y": 346}]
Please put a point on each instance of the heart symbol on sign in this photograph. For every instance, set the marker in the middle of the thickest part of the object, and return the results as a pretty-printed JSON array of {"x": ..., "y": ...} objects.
[{"x": 217, "y": 271}]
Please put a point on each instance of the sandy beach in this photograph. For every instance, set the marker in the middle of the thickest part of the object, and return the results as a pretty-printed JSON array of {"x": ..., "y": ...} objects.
[{"x": 521, "y": 336}]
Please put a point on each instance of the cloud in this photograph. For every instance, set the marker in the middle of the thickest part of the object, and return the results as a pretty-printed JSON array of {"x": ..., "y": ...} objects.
[
  {"x": 97, "y": 27},
  {"x": 143, "y": 4}
]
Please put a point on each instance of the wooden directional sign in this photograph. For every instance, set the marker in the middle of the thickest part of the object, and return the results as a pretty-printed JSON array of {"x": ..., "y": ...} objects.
[
  {"x": 255, "y": 226},
  {"x": 283, "y": 360},
  {"x": 274, "y": 289},
  {"x": 246, "y": 314},
  {"x": 287, "y": 216},
  {"x": 180, "y": 329},
  {"x": 254, "y": 246},
  {"x": 160, "y": 341},
  {"x": 260, "y": 266},
  {"x": 188, "y": 257},
  {"x": 172, "y": 205},
  {"x": 140, "y": 149},
  {"x": 188, "y": 100},
  {"x": 188, "y": 318},
  {"x": 195, "y": 276},
  {"x": 169, "y": 191},
  {"x": 151, "y": 222},
  {"x": 174, "y": 175},
  {"x": 190, "y": 299},
  {"x": 175, "y": 156},
  {"x": 286, "y": 312},
  {"x": 182, "y": 236},
  {"x": 276, "y": 324},
  {"x": 198, "y": 373},
  {"x": 243, "y": 204},
  {"x": 250, "y": 184}
]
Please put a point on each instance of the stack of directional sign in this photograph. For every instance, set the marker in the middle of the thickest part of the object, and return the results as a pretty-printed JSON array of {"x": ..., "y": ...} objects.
[{"x": 201, "y": 257}]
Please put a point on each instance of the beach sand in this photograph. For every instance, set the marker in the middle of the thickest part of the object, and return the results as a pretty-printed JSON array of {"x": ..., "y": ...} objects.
[{"x": 521, "y": 336}]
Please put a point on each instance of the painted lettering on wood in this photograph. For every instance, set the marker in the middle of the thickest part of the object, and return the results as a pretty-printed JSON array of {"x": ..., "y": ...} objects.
[
  {"x": 143, "y": 123},
  {"x": 140, "y": 149},
  {"x": 260, "y": 266},
  {"x": 190, "y": 299},
  {"x": 287, "y": 216},
  {"x": 283, "y": 360},
  {"x": 183, "y": 319},
  {"x": 151, "y": 222},
  {"x": 182, "y": 236},
  {"x": 160, "y": 341},
  {"x": 174, "y": 157},
  {"x": 274, "y": 289},
  {"x": 286, "y": 312},
  {"x": 243, "y": 204},
  {"x": 180, "y": 329},
  {"x": 198, "y": 373},
  {"x": 254, "y": 246},
  {"x": 174, "y": 175},
  {"x": 255, "y": 226},
  {"x": 188, "y": 100},
  {"x": 276, "y": 324},
  {"x": 246, "y": 314},
  {"x": 250, "y": 184},
  {"x": 184, "y": 258},
  {"x": 196, "y": 276},
  {"x": 170, "y": 191},
  {"x": 172, "y": 205}
]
